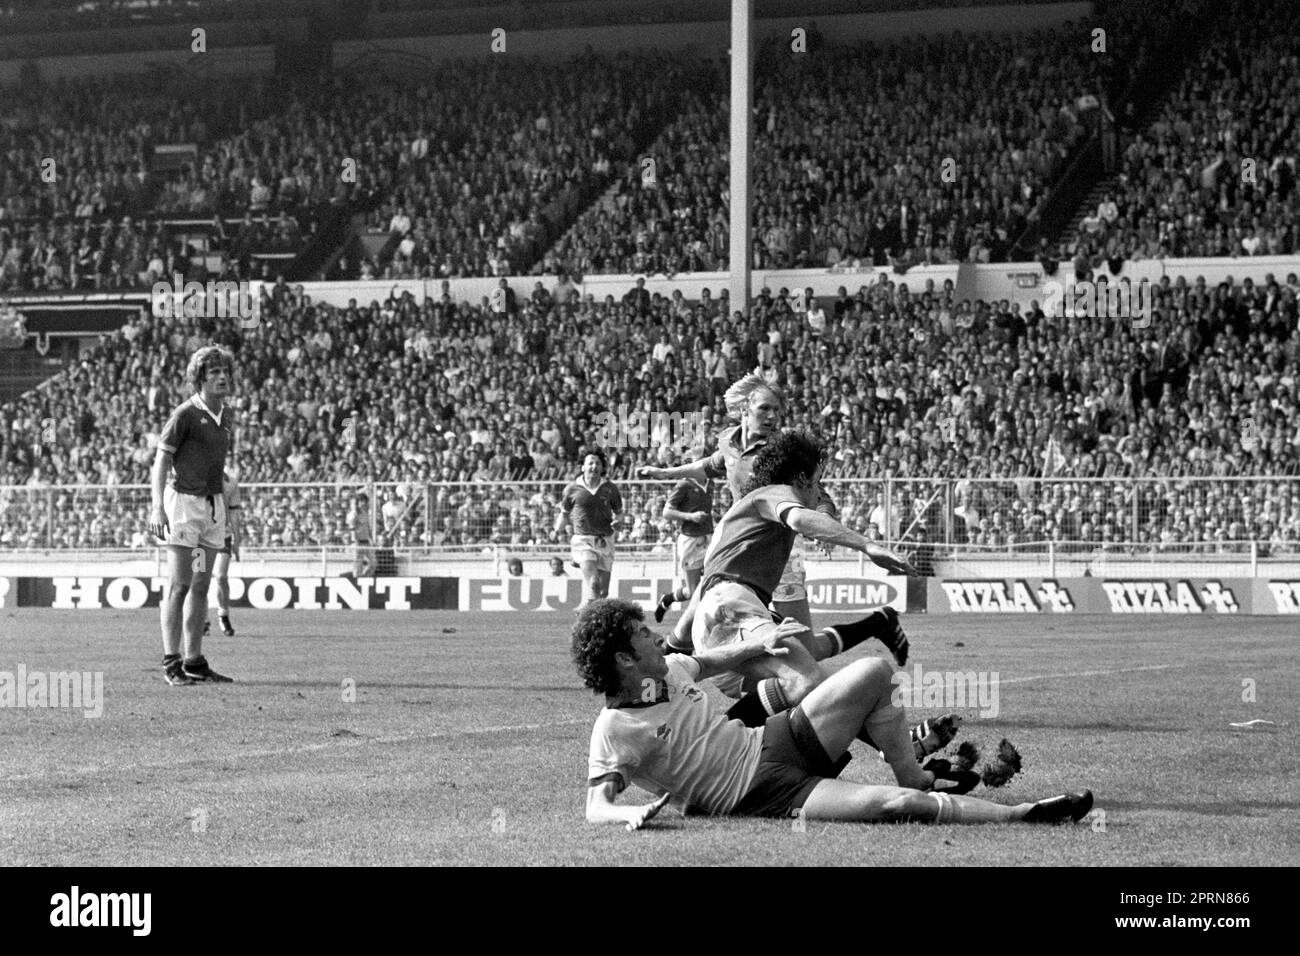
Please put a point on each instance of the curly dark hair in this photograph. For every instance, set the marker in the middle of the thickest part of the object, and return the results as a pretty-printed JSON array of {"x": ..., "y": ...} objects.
[
  {"x": 604, "y": 628},
  {"x": 785, "y": 459}
]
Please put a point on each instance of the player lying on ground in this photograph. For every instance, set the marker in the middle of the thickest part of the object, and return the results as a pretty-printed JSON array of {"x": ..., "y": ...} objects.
[
  {"x": 746, "y": 561},
  {"x": 659, "y": 731}
]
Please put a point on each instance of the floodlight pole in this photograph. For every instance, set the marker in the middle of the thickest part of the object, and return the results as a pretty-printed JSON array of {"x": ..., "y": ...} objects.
[{"x": 742, "y": 139}]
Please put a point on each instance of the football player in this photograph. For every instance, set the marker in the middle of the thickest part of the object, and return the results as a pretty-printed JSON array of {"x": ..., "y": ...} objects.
[
  {"x": 659, "y": 731},
  {"x": 590, "y": 503}
]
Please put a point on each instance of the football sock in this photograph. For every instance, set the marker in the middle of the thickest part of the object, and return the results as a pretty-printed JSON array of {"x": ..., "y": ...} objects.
[
  {"x": 855, "y": 632},
  {"x": 773, "y": 697},
  {"x": 759, "y": 704},
  {"x": 169, "y": 659},
  {"x": 955, "y": 809}
]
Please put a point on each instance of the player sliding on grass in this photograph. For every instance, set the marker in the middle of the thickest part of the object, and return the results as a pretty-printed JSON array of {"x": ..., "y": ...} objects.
[{"x": 659, "y": 731}]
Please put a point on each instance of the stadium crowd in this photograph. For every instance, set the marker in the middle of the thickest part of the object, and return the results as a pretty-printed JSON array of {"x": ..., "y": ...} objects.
[
  {"x": 907, "y": 384},
  {"x": 831, "y": 184},
  {"x": 484, "y": 164},
  {"x": 1215, "y": 173},
  {"x": 83, "y": 208},
  {"x": 478, "y": 168}
]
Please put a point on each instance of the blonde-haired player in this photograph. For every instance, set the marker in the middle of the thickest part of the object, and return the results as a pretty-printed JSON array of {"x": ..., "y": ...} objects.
[
  {"x": 189, "y": 510},
  {"x": 758, "y": 405}
]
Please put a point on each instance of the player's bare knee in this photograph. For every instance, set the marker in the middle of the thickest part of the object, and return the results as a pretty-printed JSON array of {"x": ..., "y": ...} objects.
[
  {"x": 178, "y": 587},
  {"x": 873, "y": 676}
]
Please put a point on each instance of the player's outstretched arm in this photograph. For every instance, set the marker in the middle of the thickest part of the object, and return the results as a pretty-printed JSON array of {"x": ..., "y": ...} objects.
[
  {"x": 601, "y": 807},
  {"x": 720, "y": 660},
  {"x": 822, "y": 527},
  {"x": 696, "y": 471}
]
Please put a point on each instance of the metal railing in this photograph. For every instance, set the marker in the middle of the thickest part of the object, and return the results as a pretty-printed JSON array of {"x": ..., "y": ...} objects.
[{"x": 939, "y": 517}]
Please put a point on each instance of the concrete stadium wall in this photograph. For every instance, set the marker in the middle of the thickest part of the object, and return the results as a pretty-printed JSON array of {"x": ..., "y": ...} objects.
[{"x": 1021, "y": 282}]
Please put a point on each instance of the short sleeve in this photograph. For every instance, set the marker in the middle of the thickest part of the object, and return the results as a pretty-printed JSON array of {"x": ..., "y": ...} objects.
[
  {"x": 715, "y": 466},
  {"x": 775, "y": 503},
  {"x": 824, "y": 503},
  {"x": 682, "y": 668},
  {"x": 613, "y": 750},
  {"x": 173, "y": 432},
  {"x": 677, "y": 499}
]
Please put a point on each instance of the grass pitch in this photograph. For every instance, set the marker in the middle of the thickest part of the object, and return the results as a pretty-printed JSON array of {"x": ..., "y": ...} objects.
[{"x": 466, "y": 743}]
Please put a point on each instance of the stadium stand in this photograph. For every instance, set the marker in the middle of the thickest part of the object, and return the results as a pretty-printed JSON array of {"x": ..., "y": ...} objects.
[
  {"x": 1214, "y": 174},
  {"x": 908, "y": 383},
  {"x": 395, "y": 392}
]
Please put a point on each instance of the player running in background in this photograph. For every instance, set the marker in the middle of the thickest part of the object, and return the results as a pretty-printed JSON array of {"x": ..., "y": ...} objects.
[
  {"x": 221, "y": 569},
  {"x": 690, "y": 503},
  {"x": 591, "y": 502},
  {"x": 759, "y": 405},
  {"x": 659, "y": 731},
  {"x": 189, "y": 510}
]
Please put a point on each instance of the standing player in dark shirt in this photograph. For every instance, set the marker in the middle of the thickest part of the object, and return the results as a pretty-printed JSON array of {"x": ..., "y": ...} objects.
[
  {"x": 759, "y": 406},
  {"x": 746, "y": 562},
  {"x": 691, "y": 503},
  {"x": 591, "y": 502},
  {"x": 189, "y": 510}
]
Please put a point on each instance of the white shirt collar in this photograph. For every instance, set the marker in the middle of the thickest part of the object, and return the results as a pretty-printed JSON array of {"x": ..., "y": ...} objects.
[{"x": 200, "y": 403}]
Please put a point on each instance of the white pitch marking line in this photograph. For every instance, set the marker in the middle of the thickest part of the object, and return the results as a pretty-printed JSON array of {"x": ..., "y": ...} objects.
[
  {"x": 300, "y": 749},
  {"x": 439, "y": 735},
  {"x": 1121, "y": 670}
]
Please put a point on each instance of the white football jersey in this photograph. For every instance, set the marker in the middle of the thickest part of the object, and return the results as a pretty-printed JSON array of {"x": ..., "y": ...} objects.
[{"x": 680, "y": 745}]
